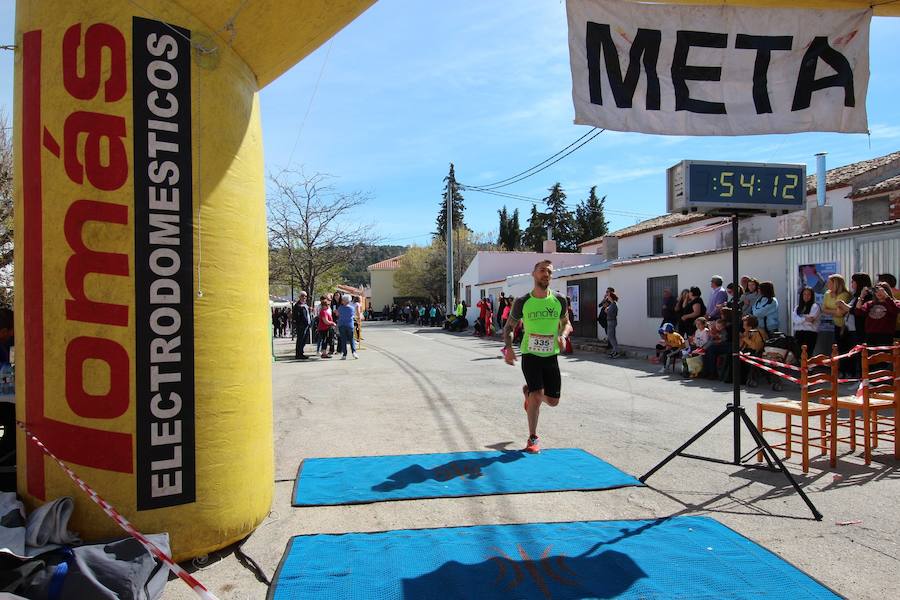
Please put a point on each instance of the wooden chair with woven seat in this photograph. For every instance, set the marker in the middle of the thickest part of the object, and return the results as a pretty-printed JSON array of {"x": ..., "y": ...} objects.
[
  {"x": 818, "y": 401},
  {"x": 880, "y": 389}
]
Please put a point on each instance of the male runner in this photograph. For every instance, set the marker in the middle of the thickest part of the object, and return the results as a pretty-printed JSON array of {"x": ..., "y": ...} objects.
[{"x": 545, "y": 319}]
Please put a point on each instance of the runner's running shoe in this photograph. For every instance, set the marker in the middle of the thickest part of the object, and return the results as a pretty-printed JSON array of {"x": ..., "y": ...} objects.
[{"x": 533, "y": 446}]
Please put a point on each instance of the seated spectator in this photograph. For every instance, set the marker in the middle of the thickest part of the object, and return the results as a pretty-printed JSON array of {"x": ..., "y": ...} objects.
[
  {"x": 750, "y": 296},
  {"x": 718, "y": 345},
  {"x": 701, "y": 337},
  {"x": 674, "y": 344},
  {"x": 753, "y": 340},
  {"x": 765, "y": 309}
]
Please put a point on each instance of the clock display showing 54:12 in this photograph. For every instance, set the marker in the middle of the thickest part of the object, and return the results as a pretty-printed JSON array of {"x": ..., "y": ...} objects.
[{"x": 779, "y": 186}]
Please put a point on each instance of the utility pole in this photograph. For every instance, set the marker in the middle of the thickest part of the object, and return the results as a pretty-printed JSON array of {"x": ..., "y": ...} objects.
[{"x": 448, "y": 235}]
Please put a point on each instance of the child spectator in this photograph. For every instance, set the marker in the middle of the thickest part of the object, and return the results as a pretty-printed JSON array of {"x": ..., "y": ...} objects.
[
  {"x": 753, "y": 339},
  {"x": 701, "y": 337},
  {"x": 674, "y": 344}
]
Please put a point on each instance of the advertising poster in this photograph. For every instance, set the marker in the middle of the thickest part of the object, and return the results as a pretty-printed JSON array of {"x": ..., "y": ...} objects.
[
  {"x": 574, "y": 298},
  {"x": 815, "y": 276}
]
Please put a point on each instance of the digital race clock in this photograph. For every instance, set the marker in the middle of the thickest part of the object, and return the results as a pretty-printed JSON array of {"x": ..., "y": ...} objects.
[{"x": 709, "y": 186}]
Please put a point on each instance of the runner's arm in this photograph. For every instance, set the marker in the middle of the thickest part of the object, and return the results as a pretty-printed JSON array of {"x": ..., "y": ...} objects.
[
  {"x": 564, "y": 316},
  {"x": 515, "y": 315},
  {"x": 509, "y": 332}
]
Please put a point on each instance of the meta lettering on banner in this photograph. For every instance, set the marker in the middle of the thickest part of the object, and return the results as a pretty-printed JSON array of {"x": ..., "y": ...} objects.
[
  {"x": 163, "y": 258},
  {"x": 724, "y": 70}
]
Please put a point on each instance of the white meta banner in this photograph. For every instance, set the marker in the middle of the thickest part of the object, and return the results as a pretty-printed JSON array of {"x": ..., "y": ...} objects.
[{"x": 718, "y": 70}]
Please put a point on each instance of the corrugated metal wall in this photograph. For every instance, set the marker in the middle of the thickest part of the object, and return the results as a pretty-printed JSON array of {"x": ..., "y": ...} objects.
[
  {"x": 880, "y": 255},
  {"x": 873, "y": 254}
]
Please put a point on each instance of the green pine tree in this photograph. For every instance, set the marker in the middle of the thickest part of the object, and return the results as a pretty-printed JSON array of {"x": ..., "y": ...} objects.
[
  {"x": 560, "y": 219},
  {"x": 503, "y": 235},
  {"x": 590, "y": 222},
  {"x": 534, "y": 235},
  {"x": 450, "y": 188},
  {"x": 514, "y": 231}
]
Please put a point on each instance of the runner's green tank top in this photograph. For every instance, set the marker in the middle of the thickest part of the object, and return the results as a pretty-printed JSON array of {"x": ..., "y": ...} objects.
[{"x": 540, "y": 317}]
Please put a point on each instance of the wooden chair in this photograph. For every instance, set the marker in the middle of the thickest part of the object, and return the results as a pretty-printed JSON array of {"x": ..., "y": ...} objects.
[
  {"x": 818, "y": 401},
  {"x": 877, "y": 397}
]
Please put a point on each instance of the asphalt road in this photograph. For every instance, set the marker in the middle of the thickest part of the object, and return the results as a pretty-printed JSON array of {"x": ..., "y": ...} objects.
[{"x": 423, "y": 390}]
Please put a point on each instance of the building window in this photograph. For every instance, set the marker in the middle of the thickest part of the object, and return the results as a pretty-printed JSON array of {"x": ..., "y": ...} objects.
[
  {"x": 657, "y": 244},
  {"x": 655, "y": 287}
]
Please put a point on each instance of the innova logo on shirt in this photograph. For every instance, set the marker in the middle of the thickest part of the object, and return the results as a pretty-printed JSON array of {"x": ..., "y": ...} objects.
[{"x": 544, "y": 314}]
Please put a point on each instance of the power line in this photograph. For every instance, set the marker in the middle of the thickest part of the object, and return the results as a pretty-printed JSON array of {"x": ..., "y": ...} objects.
[
  {"x": 311, "y": 99},
  {"x": 489, "y": 185},
  {"x": 552, "y": 161},
  {"x": 539, "y": 201}
]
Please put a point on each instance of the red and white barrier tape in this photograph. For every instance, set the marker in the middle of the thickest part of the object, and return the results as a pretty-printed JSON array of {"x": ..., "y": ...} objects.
[
  {"x": 122, "y": 522},
  {"x": 857, "y": 349},
  {"x": 751, "y": 360},
  {"x": 768, "y": 361}
]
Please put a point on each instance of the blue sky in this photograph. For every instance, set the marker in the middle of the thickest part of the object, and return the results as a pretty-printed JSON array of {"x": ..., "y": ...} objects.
[{"x": 411, "y": 86}]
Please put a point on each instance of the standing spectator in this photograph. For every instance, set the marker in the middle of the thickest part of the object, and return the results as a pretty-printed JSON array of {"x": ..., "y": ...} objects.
[
  {"x": 892, "y": 282},
  {"x": 612, "y": 318},
  {"x": 765, "y": 309},
  {"x": 345, "y": 327},
  {"x": 880, "y": 315},
  {"x": 806, "y": 320},
  {"x": 835, "y": 295},
  {"x": 301, "y": 323},
  {"x": 681, "y": 309},
  {"x": 695, "y": 309},
  {"x": 717, "y": 298},
  {"x": 501, "y": 304},
  {"x": 856, "y": 323},
  {"x": 432, "y": 315},
  {"x": 750, "y": 296},
  {"x": 504, "y": 314},
  {"x": 326, "y": 328},
  {"x": 668, "y": 307},
  {"x": 276, "y": 321}
]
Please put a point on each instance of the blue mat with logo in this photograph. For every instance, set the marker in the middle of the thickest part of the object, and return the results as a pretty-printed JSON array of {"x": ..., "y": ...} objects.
[
  {"x": 681, "y": 557},
  {"x": 358, "y": 480}
]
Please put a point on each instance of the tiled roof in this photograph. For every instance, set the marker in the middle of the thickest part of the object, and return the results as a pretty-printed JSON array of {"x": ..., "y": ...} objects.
[
  {"x": 705, "y": 228},
  {"x": 350, "y": 289},
  {"x": 388, "y": 263},
  {"x": 841, "y": 176},
  {"x": 649, "y": 225},
  {"x": 888, "y": 185},
  {"x": 659, "y": 223}
]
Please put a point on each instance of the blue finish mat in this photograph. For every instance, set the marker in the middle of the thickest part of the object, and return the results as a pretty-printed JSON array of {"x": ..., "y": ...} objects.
[
  {"x": 357, "y": 480},
  {"x": 681, "y": 557}
]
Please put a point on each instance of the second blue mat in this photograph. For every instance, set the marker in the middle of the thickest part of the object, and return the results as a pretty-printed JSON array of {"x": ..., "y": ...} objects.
[
  {"x": 689, "y": 558},
  {"x": 358, "y": 480}
]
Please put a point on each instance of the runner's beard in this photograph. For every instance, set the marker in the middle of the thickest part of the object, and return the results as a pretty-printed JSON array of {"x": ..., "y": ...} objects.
[{"x": 542, "y": 284}]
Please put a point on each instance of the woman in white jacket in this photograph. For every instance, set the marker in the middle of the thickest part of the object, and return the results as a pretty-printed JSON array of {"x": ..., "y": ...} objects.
[{"x": 806, "y": 320}]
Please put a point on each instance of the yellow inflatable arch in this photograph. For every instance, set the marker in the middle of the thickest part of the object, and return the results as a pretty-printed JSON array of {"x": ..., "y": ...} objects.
[{"x": 141, "y": 304}]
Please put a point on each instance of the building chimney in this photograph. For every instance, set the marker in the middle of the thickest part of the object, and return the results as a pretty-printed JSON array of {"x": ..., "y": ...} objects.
[
  {"x": 549, "y": 246},
  {"x": 820, "y": 178}
]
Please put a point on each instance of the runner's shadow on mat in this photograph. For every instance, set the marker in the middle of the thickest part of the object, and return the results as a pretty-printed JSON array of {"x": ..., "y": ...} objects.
[
  {"x": 468, "y": 468},
  {"x": 512, "y": 572}
]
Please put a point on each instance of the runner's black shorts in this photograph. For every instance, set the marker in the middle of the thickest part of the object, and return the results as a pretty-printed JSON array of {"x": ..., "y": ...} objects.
[{"x": 542, "y": 373}]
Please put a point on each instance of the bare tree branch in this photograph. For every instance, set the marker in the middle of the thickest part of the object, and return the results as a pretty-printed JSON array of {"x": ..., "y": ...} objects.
[{"x": 310, "y": 230}]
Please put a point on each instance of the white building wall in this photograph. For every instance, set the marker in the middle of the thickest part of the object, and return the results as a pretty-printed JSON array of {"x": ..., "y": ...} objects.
[{"x": 635, "y": 328}]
